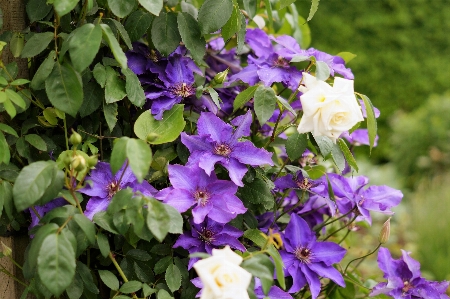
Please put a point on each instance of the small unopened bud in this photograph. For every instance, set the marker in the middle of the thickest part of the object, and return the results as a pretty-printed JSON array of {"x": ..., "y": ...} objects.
[
  {"x": 152, "y": 137},
  {"x": 92, "y": 161},
  {"x": 78, "y": 163},
  {"x": 385, "y": 232},
  {"x": 75, "y": 138},
  {"x": 6, "y": 250},
  {"x": 219, "y": 78}
]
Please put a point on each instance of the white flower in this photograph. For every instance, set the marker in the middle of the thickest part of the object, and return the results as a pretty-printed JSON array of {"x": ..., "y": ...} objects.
[
  {"x": 328, "y": 110},
  {"x": 222, "y": 277}
]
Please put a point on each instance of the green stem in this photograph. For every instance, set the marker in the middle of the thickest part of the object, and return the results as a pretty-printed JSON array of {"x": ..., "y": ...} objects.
[
  {"x": 272, "y": 138},
  {"x": 124, "y": 277},
  {"x": 362, "y": 257},
  {"x": 15, "y": 263},
  {"x": 334, "y": 220},
  {"x": 12, "y": 276},
  {"x": 336, "y": 231},
  {"x": 72, "y": 192},
  {"x": 64, "y": 224},
  {"x": 65, "y": 133}
]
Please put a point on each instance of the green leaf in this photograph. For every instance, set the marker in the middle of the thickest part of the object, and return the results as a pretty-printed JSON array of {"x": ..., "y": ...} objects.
[
  {"x": 7, "y": 129},
  {"x": 99, "y": 73},
  {"x": 162, "y": 264},
  {"x": 16, "y": 44},
  {"x": 86, "y": 226},
  {"x": 134, "y": 89},
  {"x": 103, "y": 220},
  {"x": 158, "y": 219},
  {"x": 20, "y": 81},
  {"x": 139, "y": 255},
  {"x": 121, "y": 8},
  {"x": 173, "y": 277},
  {"x": 313, "y": 9},
  {"x": 191, "y": 35},
  {"x": 84, "y": 45},
  {"x": 176, "y": 220},
  {"x": 165, "y": 35},
  {"x": 250, "y": 7},
  {"x": 161, "y": 131},
  {"x": 262, "y": 267},
  {"x": 284, "y": 3},
  {"x": 131, "y": 287},
  {"x": 5, "y": 197},
  {"x": 241, "y": 35},
  {"x": 36, "y": 141},
  {"x": 371, "y": 120},
  {"x": 233, "y": 24},
  {"x": 257, "y": 192},
  {"x": 76, "y": 288},
  {"x": 114, "y": 86},
  {"x": 348, "y": 292},
  {"x": 103, "y": 244},
  {"x": 243, "y": 97},
  {"x": 63, "y": 7},
  {"x": 110, "y": 112},
  {"x": 32, "y": 182},
  {"x": 43, "y": 72},
  {"x": 64, "y": 89},
  {"x": 347, "y": 56},
  {"x": 268, "y": 6},
  {"x": 163, "y": 294},
  {"x": 50, "y": 116},
  {"x": 93, "y": 97},
  {"x": 296, "y": 145},
  {"x": 86, "y": 276},
  {"x": 286, "y": 105},
  {"x": 113, "y": 44},
  {"x": 322, "y": 70},
  {"x": 325, "y": 145},
  {"x": 338, "y": 157},
  {"x": 213, "y": 14},
  {"x": 9, "y": 107},
  {"x": 123, "y": 33},
  {"x": 153, "y": 6},
  {"x": 5, "y": 155},
  {"x": 138, "y": 154},
  {"x": 109, "y": 279},
  {"x": 347, "y": 154},
  {"x": 265, "y": 102},
  {"x": 56, "y": 262},
  {"x": 37, "y": 10},
  {"x": 137, "y": 24},
  {"x": 36, "y": 44},
  {"x": 15, "y": 98}
]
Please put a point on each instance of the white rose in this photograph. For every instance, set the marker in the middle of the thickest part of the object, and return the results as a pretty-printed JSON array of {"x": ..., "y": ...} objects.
[
  {"x": 329, "y": 110},
  {"x": 222, "y": 277}
]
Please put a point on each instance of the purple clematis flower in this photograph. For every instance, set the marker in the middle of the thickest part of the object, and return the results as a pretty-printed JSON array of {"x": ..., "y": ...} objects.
[
  {"x": 208, "y": 235},
  {"x": 359, "y": 137},
  {"x": 44, "y": 209},
  {"x": 217, "y": 142},
  {"x": 306, "y": 259},
  {"x": 350, "y": 195},
  {"x": 192, "y": 187},
  {"x": 105, "y": 185},
  {"x": 404, "y": 280},
  {"x": 274, "y": 292}
]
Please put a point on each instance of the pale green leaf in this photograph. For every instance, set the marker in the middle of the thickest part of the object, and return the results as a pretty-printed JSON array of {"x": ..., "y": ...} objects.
[
  {"x": 121, "y": 8},
  {"x": 153, "y": 6},
  {"x": 264, "y": 103},
  {"x": 109, "y": 279},
  {"x": 36, "y": 141},
  {"x": 63, "y": 7},
  {"x": 84, "y": 45},
  {"x": 114, "y": 45},
  {"x": 173, "y": 277},
  {"x": 296, "y": 145}
]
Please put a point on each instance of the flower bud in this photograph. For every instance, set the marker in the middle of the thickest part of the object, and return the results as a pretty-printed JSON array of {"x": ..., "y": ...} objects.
[
  {"x": 78, "y": 163},
  {"x": 6, "y": 250},
  {"x": 385, "y": 232},
  {"x": 152, "y": 137},
  {"x": 75, "y": 138},
  {"x": 92, "y": 161},
  {"x": 219, "y": 78}
]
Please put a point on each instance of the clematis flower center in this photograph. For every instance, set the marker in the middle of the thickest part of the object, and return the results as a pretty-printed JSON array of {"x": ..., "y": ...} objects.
[
  {"x": 281, "y": 62},
  {"x": 303, "y": 254},
  {"x": 113, "y": 188},
  {"x": 202, "y": 196},
  {"x": 407, "y": 286},
  {"x": 304, "y": 184},
  {"x": 206, "y": 235},
  {"x": 182, "y": 90},
  {"x": 361, "y": 201},
  {"x": 222, "y": 149},
  {"x": 153, "y": 56}
]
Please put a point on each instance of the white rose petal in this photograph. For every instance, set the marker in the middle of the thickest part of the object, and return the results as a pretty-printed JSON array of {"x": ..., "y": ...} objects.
[
  {"x": 222, "y": 277},
  {"x": 329, "y": 111}
]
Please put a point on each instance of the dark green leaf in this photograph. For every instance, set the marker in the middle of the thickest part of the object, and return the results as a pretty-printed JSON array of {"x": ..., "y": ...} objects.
[
  {"x": 103, "y": 244},
  {"x": 213, "y": 14},
  {"x": 348, "y": 292},
  {"x": 36, "y": 141},
  {"x": 9, "y": 172},
  {"x": 371, "y": 120},
  {"x": 153, "y": 6},
  {"x": 86, "y": 226},
  {"x": 110, "y": 112},
  {"x": 163, "y": 294},
  {"x": 286, "y": 105},
  {"x": 257, "y": 192},
  {"x": 325, "y": 145},
  {"x": 158, "y": 220},
  {"x": 165, "y": 35},
  {"x": 64, "y": 89},
  {"x": 162, "y": 264},
  {"x": 189, "y": 8},
  {"x": 76, "y": 288},
  {"x": 43, "y": 72},
  {"x": 117, "y": 51},
  {"x": 36, "y": 44},
  {"x": 105, "y": 221},
  {"x": 56, "y": 262},
  {"x": 348, "y": 154},
  {"x": 312, "y": 11},
  {"x": 131, "y": 287},
  {"x": 262, "y": 267},
  {"x": 93, "y": 97},
  {"x": 338, "y": 157},
  {"x": 37, "y": 10},
  {"x": 296, "y": 145},
  {"x": 23, "y": 148},
  {"x": 233, "y": 24},
  {"x": 5, "y": 155},
  {"x": 114, "y": 87},
  {"x": 265, "y": 101},
  {"x": 191, "y": 35},
  {"x": 121, "y": 8},
  {"x": 139, "y": 255},
  {"x": 63, "y": 7},
  {"x": 99, "y": 73},
  {"x": 250, "y": 7},
  {"x": 161, "y": 131},
  {"x": 84, "y": 44},
  {"x": 176, "y": 221},
  {"x": 133, "y": 88},
  {"x": 243, "y": 97},
  {"x": 123, "y": 33},
  {"x": 86, "y": 276},
  {"x": 5, "y": 196},
  {"x": 173, "y": 277},
  {"x": 109, "y": 279},
  {"x": 137, "y": 24}
]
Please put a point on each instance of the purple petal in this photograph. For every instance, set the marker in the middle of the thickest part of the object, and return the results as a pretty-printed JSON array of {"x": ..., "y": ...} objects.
[
  {"x": 162, "y": 104},
  {"x": 248, "y": 75},
  {"x": 259, "y": 42},
  {"x": 243, "y": 123},
  {"x": 327, "y": 252},
  {"x": 236, "y": 170},
  {"x": 180, "y": 199},
  {"x": 246, "y": 153},
  {"x": 136, "y": 62},
  {"x": 328, "y": 272},
  {"x": 386, "y": 197},
  {"x": 197, "y": 143},
  {"x": 298, "y": 233},
  {"x": 207, "y": 161},
  {"x": 182, "y": 177},
  {"x": 200, "y": 211},
  {"x": 313, "y": 280},
  {"x": 222, "y": 187},
  {"x": 298, "y": 277},
  {"x": 217, "y": 129},
  {"x": 228, "y": 240},
  {"x": 95, "y": 205},
  {"x": 413, "y": 265}
]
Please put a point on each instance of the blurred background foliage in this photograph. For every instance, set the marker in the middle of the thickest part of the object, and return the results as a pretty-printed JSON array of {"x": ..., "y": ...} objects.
[{"x": 403, "y": 65}]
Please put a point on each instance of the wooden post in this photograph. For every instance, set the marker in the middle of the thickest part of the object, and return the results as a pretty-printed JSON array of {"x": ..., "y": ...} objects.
[{"x": 14, "y": 19}]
